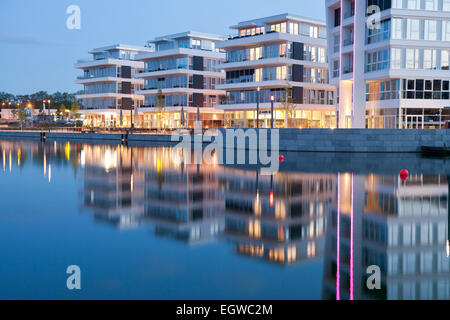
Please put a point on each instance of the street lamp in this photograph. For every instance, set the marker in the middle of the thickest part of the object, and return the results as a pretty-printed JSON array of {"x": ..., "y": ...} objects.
[
  {"x": 272, "y": 99},
  {"x": 257, "y": 108}
]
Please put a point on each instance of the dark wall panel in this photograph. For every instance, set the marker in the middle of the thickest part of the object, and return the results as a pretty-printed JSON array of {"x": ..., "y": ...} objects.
[
  {"x": 126, "y": 72},
  {"x": 197, "y": 81},
  {"x": 126, "y": 103},
  {"x": 297, "y": 95},
  {"x": 197, "y": 99},
  {"x": 198, "y": 63},
  {"x": 126, "y": 87},
  {"x": 297, "y": 73},
  {"x": 297, "y": 51}
]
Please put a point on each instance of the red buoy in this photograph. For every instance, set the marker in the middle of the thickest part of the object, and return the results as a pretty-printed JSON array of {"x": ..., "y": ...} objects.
[
  {"x": 404, "y": 174},
  {"x": 281, "y": 158}
]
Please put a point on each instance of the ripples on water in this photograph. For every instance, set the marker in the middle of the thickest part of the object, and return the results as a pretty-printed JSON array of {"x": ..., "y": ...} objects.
[{"x": 142, "y": 223}]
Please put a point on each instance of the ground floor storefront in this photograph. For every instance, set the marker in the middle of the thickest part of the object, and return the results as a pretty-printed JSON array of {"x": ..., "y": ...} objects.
[
  {"x": 408, "y": 118},
  {"x": 149, "y": 118},
  {"x": 281, "y": 118}
]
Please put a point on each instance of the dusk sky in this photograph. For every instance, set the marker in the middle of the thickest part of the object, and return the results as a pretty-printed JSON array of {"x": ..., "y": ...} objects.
[{"x": 38, "y": 51}]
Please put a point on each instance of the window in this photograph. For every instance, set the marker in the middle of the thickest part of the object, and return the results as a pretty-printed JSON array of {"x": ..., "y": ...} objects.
[
  {"x": 382, "y": 4},
  {"x": 397, "y": 28},
  {"x": 397, "y": 4},
  {"x": 377, "y": 60},
  {"x": 413, "y": 29},
  {"x": 396, "y": 58},
  {"x": 413, "y": 4},
  {"x": 412, "y": 59},
  {"x": 337, "y": 17},
  {"x": 431, "y": 5},
  {"x": 445, "y": 59},
  {"x": 335, "y": 68},
  {"x": 430, "y": 30},
  {"x": 446, "y": 30},
  {"x": 445, "y": 5},
  {"x": 383, "y": 33}
]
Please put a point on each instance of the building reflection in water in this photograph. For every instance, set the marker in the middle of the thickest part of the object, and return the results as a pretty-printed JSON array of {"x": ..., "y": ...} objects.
[
  {"x": 400, "y": 226},
  {"x": 180, "y": 199},
  {"x": 348, "y": 221},
  {"x": 109, "y": 177},
  {"x": 279, "y": 218}
]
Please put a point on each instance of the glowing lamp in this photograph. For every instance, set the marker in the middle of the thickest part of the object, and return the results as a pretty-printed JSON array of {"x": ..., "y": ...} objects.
[
  {"x": 404, "y": 175},
  {"x": 272, "y": 98},
  {"x": 271, "y": 198},
  {"x": 281, "y": 158}
]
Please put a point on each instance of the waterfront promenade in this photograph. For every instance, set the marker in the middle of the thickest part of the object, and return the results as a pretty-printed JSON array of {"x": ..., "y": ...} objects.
[{"x": 304, "y": 140}]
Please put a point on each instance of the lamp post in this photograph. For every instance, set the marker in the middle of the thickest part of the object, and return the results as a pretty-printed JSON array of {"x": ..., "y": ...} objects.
[
  {"x": 257, "y": 108},
  {"x": 43, "y": 106},
  {"x": 272, "y": 99},
  {"x": 131, "y": 118}
]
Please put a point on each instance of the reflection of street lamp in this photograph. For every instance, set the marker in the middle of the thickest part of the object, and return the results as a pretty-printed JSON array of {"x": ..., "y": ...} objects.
[{"x": 272, "y": 99}]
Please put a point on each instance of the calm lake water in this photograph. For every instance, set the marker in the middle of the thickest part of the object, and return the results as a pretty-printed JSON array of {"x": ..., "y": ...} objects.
[{"x": 141, "y": 223}]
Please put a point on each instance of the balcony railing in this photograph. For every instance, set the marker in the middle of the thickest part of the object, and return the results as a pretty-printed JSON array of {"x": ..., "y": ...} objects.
[
  {"x": 348, "y": 42},
  {"x": 348, "y": 70}
]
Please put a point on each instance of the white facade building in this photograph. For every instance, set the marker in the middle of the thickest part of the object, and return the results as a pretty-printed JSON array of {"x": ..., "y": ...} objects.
[
  {"x": 282, "y": 56},
  {"x": 109, "y": 84},
  {"x": 181, "y": 75},
  {"x": 390, "y": 61}
]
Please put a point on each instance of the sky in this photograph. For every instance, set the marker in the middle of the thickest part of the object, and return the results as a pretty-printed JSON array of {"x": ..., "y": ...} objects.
[{"x": 38, "y": 51}]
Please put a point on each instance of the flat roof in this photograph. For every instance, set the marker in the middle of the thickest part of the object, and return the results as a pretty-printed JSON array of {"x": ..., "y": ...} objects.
[
  {"x": 283, "y": 16},
  {"x": 190, "y": 34},
  {"x": 121, "y": 47}
]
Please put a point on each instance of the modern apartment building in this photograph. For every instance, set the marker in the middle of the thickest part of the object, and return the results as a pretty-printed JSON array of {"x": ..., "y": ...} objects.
[
  {"x": 283, "y": 56},
  {"x": 109, "y": 96},
  {"x": 181, "y": 75},
  {"x": 392, "y": 67}
]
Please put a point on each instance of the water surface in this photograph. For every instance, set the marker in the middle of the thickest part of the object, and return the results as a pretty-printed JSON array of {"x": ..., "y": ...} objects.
[{"x": 141, "y": 223}]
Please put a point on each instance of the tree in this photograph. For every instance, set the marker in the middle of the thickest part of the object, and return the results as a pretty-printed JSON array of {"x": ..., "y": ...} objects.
[
  {"x": 288, "y": 105},
  {"x": 160, "y": 103},
  {"x": 61, "y": 111},
  {"x": 74, "y": 110},
  {"x": 21, "y": 113}
]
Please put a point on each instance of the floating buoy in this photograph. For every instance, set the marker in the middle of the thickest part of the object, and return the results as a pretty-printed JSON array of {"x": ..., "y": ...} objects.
[
  {"x": 281, "y": 158},
  {"x": 404, "y": 175}
]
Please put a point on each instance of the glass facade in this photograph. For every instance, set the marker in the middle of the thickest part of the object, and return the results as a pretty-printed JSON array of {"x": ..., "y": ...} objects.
[
  {"x": 429, "y": 5},
  {"x": 101, "y": 72},
  {"x": 407, "y": 58},
  {"x": 408, "y": 89},
  {"x": 185, "y": 62},
  {"x": 173, "y": 100},
  {"x": 310, "y": 96},
  {"x": 169, "y": 64},
  {"x": 315, "y": 75},
  {"x": 116, "y": 54},
  {"x": 190, "y": 43},
  {"x": 109, "y": 87},
  {"x": 291, "y": 27},
  {"x": 99, "y": 104},
  {"x": 420, "y": 59},
  {"x": 260, "y": 74}
]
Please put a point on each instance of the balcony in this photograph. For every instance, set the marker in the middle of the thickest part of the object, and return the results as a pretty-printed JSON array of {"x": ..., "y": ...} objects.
[
  {"x": 348, "y": 70},
  {"x": 348, "y": 42}
]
